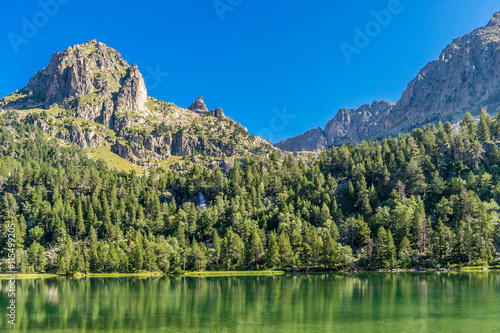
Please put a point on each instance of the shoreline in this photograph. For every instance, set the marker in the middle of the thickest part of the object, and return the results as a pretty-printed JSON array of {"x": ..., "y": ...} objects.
[
  {"x": 233, "y": 273},
  {"x": 22, "y": 276}
]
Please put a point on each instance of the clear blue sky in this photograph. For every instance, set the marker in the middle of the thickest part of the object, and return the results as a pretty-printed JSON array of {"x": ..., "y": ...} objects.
[{"x": 261, "y": 56}]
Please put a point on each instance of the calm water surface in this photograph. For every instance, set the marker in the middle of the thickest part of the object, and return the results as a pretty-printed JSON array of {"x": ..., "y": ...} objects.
[{"x": 366, "y": 302}]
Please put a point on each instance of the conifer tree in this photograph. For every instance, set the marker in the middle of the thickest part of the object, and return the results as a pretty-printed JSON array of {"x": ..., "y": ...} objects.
[
  {"x": 80, "y": 223},
  {"x": 216, "y": 245},
  {"x": 483, "y": 128},
  {"x": 285, "y": 250},
  {"x": 363, "y": 202},
  {"x": 273, "y": 254}
]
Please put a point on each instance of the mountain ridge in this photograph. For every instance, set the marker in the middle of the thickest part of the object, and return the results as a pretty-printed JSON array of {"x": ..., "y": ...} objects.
[
  {"x": 89, "y": 96},
  {"x": 465, "y": 77}
]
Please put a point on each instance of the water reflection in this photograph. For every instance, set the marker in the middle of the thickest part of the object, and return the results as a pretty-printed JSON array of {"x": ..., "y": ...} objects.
[{"x": 374, "y": 302}]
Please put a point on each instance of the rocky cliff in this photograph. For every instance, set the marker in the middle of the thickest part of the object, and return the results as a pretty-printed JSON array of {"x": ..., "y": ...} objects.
[
  {"x": 198, "y": 105},
  {"x": 348, "y": 125},
  {"x": 90, "y": 97},
  {"x": 465, "y": 77}
]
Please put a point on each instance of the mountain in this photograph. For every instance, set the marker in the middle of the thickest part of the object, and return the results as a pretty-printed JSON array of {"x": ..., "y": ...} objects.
[
  {"x": 348, "y": 125},
  {"x": 89, "y": 96},
  {"x": 429, "y": 199},
  {"x": 465, "y": 77}
]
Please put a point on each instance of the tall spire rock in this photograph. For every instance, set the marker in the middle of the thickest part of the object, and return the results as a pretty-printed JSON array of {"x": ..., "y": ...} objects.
[
  {"x": 133, "y": 94},
  {"x": 198, "y": 105}
]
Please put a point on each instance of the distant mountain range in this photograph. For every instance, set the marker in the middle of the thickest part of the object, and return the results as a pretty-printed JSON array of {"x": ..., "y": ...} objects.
[
  {"x": 466, "y": 77},
  {"x": 89, "y": 96}
]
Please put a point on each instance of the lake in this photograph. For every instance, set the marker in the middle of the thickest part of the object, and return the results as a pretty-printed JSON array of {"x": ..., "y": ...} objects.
[{"x": 364, "y": 302}]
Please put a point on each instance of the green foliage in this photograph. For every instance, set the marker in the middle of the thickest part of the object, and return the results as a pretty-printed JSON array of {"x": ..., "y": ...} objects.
[{"x": 422, "y": 199}]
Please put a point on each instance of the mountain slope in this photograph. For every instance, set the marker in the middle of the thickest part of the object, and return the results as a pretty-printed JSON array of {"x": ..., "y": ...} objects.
[
  {"x": 466, "y": 77},
  {"x": 348, "y": 125},
  {"x": 89, "y": 96}
]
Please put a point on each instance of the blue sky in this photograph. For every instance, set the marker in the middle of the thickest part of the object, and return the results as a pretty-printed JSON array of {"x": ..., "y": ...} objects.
[{"x": 277, "y": 67}]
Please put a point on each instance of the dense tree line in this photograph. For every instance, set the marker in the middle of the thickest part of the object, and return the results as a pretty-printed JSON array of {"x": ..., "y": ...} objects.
[{"x": 419, "y": 199}]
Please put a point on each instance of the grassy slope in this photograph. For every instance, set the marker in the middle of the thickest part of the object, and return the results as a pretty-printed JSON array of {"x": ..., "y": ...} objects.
[{"x": 113, "y": 161}]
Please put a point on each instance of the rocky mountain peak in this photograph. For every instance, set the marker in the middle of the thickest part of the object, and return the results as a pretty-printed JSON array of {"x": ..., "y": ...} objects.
[
  {"x": 198, "y": 105},
  {"x": 78, "y": 71},
  {"x": 93, "y": 83},
  {"x": 495, "y": 20},
  {"x": 465, "y": 77},
  {"x": 91, "y": 78},
  {"x": 348, "y": 125}
]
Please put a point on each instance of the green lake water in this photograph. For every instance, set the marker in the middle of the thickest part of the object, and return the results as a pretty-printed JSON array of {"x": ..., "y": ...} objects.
[{"x": 365, "y": 302}]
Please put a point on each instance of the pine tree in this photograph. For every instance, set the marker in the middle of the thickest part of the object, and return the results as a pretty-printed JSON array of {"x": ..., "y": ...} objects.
[
  {"x": 330, "y": 252},
  {"x": 385, "y": 251},
  {"x": 113, "y": 259},
  {"x": 420, "y": 229},
  {"x": 149, "y": 262},
  {"x": 285, "y": 248},
  {"x": 483, "y": 129},
  {"x": 233, "y": 250},
  {"x": 325, "y": 213},
  {"x": 273, "y": 254},
  {"x": 362, "y": 232},
  {"x": 198, "y": 256},
  {"x": 439, "y": 241},
  {"x": 363, "y": 202},
  {"x": 216, "y": 245},
  {"x": 373, "y": 198},
  {"x": 468, "y": 124},
  {"x": 80, "y": 223},
  {"x": 391, "y": 250},
  {"x": 305, "y": 252},
  {"x": 36, "y": 257},
  {"x": 137, "y": 253},
  {"x": 255, "y": 249},
  {"x": 64, "y": 257},
  {"x": 405, "y": 252}
]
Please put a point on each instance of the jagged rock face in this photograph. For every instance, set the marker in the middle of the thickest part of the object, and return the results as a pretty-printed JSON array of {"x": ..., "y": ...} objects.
[
  {"x": 91, "y": 78},
  {"x": 354, "y": 125},
  {"x": 78, "y": 71},
  {"x": 310, "y": 140},
  {"x": 133, "y": 94},
  {"x": 495, "y": 21},
  {"x": 81, "y": 138},
  {"x": 132, "y": 152},
  {"x": 348, "y": 125},
  {"x": 91, "y": 82},
  {"x": 466, "y": 77},
  {"x": 72, "y": 133},
  {"x": 219, "y": 113},
  {"x": 184, "y": 145},
  {"x": 198, "y": 105}
]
